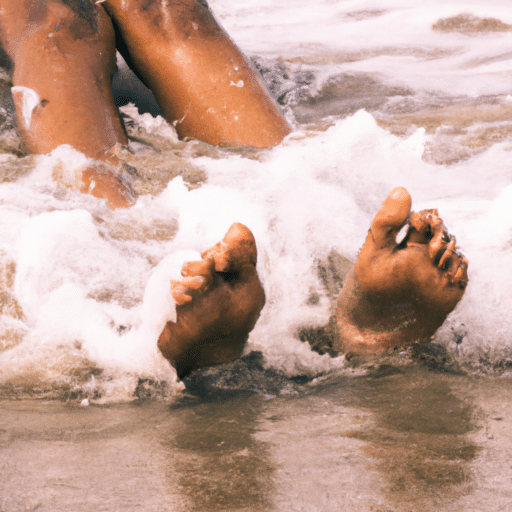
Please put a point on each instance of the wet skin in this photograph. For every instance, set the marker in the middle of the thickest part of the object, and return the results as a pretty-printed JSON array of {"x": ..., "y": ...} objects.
[
  {"x": 66, "y": 54},
  {"x": 400, "y": 293},
  {"x": 63, "y": 63},
  {"x": 218, "y": 303},
  {"x": 199, "y": 77},
  {"x": 397, "y": 293}
]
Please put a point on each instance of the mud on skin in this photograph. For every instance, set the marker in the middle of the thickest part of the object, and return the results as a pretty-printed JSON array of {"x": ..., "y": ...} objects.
[
  {"x": 400, "y": 292},
  {"x": 218, "y": 302}
]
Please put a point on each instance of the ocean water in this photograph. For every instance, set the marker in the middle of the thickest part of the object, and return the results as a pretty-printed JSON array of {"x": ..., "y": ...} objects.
[
  {"x": 377, "y": 98},
  {"x": 380, "y": 94}
]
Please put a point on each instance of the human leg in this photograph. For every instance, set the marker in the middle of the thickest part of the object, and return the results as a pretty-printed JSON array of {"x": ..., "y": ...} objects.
[
  {"x": 63, "y": 63},
  {"x": 200, "y": 79}
]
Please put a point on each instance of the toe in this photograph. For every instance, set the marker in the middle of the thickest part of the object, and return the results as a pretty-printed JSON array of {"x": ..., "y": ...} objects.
[
  {"x": 203, "y": 267},
  {"x": 193, "y": 283},
  {"x": 237, "y": 248},
  {"x": 391, "y": 217},
  {"x": 447, "y": 256},
  {"x": 238, "y": 233},
  {"x": 240, "y": 245},
  {"x": 438, "y": 243},
  {"x": 423, "y": 226},
  {"x": 198, "y": 274},
  {"x": 222, "y": 259},
  {"x": 179, "y": 293},
  {"x": 460, "y": 272}
]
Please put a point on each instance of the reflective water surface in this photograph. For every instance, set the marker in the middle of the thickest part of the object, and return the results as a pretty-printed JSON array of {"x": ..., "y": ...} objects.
[{"x": 404, "y": 439}]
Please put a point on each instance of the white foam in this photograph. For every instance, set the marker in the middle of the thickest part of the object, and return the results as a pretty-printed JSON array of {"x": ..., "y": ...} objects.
[
  {"x": 61, "y": 315},
  {"x": 151, "y": 124},
  {"x": 30, "y": 100},
  {"x": 95, "y": 304},
  {"x": 301, "y": 199}
]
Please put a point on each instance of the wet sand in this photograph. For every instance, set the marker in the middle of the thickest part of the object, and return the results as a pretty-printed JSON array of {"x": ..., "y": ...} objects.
[{"x": 396, "y": 439}]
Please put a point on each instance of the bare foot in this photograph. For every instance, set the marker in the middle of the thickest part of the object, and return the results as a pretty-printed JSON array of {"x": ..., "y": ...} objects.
[
  {"x": 218, "y": 302},
  {"x": 400, "y": 293}
]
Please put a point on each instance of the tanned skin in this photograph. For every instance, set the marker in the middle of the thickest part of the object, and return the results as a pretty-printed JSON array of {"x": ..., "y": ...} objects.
[
  {"x": 199, "y": 77},
  {"x": 218, "y": 302},
  {"x": 65, "y": 60},
  {"x": 400, "y": 293},
  {"x": 64, "y": 54}
]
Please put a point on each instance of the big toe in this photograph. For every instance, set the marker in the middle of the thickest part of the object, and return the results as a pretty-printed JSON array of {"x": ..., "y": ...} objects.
[
  {"x": 391, "y": 217},
  {"x": 238, "y": 234},
  {"x": 240, "y": 246}
]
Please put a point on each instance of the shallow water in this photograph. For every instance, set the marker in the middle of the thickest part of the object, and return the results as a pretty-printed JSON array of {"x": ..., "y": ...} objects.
[
  {"x": 380, "y": 93},
  {"x": 393, "y": 440}
]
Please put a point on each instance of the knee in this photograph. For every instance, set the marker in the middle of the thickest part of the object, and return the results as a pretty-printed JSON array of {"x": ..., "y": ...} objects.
[
  {"x": 79, "y": 20},
  {"x": 68, "y": 37},
  {"x": 72, "y": 23}
]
